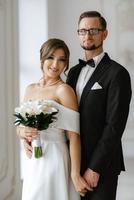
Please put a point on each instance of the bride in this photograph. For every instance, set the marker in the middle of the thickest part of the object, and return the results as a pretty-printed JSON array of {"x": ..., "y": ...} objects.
[{"x": 56, "y": 175}]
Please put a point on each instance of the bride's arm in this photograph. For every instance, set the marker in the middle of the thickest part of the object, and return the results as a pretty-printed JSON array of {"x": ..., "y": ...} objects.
[
  {"x": 74, "y": 148},
  {"x": 67, "y": 97},
  {"x": 27, "y": 133}
]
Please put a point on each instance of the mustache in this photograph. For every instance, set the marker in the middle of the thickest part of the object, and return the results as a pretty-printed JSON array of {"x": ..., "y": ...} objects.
[{"x": 93, "y": 47}]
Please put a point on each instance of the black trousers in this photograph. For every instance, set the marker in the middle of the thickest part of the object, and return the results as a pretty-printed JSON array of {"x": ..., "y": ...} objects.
[{"x": 106, "y": 189}]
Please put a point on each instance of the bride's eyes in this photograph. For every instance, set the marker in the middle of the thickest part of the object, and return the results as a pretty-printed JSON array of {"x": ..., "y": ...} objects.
[
  {"x": 50, "y": 58},
  {"x": 60, "y": 59}
]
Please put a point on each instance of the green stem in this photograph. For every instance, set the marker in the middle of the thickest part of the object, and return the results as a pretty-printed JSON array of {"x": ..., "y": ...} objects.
[{"x": 38, "y": 152}]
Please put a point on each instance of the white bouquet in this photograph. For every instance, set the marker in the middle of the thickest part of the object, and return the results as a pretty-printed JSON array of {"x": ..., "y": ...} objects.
[{"x": 36, "y": 114}]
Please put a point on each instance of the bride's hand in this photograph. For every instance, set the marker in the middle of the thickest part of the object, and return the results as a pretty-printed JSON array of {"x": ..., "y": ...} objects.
[
  {"x": 80, "y": 184},
  {"x": 28, "y": 148},
  {"x": 27, "y": 133}
]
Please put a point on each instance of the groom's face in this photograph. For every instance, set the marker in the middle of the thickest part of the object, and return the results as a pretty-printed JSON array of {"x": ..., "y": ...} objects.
[{"x": 91, "y": 34}]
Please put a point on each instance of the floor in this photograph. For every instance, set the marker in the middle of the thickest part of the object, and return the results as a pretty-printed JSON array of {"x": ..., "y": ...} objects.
[{"x": 126, "y": 182}]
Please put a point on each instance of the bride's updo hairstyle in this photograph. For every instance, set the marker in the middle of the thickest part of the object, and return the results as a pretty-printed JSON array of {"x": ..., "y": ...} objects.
[{"x": 50, "y": 46}]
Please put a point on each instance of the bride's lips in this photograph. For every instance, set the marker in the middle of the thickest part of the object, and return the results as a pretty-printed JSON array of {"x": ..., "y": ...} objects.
[{"x": 54, "y": 70}]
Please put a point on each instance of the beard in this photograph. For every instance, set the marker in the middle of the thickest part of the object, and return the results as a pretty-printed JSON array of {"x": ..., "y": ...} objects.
[{"x": 93, "y": 47}]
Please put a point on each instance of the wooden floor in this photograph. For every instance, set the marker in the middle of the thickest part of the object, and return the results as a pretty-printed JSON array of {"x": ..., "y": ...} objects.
[{"x": 125, "y": 189}]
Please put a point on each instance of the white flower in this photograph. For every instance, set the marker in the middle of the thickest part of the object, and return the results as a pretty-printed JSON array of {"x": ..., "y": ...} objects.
[{"x": 35, "y": 108}]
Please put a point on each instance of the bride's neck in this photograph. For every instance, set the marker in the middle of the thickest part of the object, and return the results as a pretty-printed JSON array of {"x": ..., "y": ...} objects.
[{"x": 46, "y": 82}]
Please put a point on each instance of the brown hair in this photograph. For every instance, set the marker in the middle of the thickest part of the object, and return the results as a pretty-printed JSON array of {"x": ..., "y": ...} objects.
[
  {"x": 94, "y": 14},
  {"x": 50, "y": 46}
]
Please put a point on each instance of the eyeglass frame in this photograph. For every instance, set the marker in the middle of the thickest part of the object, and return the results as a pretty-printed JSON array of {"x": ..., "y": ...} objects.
[{"x": 89, "y": 31}]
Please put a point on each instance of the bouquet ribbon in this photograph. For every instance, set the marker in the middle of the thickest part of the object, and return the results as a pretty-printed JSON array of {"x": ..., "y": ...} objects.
[{"x": 36, "y": 144}]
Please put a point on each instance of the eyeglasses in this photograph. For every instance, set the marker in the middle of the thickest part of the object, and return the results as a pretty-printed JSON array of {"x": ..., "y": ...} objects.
[{"x": 91, "y": 31}]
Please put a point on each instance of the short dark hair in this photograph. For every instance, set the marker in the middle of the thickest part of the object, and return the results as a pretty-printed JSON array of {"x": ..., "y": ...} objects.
[
  {"x": 50, "y": 46},
  {"x": 94, "y": 14}
]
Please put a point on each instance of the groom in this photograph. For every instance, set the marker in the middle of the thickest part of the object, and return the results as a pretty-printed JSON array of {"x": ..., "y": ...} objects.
[{"x": 104, "y": 91}]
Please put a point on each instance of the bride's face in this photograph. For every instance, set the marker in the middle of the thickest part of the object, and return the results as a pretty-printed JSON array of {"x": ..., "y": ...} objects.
[{"x": 54, "y": 65}]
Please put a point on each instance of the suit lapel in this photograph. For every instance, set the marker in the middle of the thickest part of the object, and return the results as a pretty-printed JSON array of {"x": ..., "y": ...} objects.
[{"x": 100, "y": 69}]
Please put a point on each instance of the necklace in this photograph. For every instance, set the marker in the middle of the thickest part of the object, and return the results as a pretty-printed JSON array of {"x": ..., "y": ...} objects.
[{"x": 42, "y": 84}]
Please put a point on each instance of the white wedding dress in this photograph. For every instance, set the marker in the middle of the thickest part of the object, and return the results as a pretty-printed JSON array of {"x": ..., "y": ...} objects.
[{"x": 48, "y": 177}]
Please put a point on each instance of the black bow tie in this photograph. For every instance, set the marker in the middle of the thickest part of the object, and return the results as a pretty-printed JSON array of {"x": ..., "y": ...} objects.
[{"x": 83, "y": 63}]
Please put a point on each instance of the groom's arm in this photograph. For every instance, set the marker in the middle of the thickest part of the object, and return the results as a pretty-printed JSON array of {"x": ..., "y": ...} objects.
[{"x": 118, "y": 100}]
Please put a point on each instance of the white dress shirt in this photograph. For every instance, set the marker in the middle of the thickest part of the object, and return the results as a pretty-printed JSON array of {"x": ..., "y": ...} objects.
[{"x": 85, "y": 75}]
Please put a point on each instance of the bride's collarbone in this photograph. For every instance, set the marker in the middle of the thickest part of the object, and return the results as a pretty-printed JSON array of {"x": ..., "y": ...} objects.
[
  {"x": 50, "y": 86},
  {"x": 45, "y": 93}
]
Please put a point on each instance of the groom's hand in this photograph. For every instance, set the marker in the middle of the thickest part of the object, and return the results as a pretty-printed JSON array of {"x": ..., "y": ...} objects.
[
  {"x": 91, "y": 177},
  {"x": 80, "y": 184}
]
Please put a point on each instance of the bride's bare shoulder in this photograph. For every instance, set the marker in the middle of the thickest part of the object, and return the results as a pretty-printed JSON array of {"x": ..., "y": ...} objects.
[
  {"x": 30, "y": 89},
  {"x": 31, "y": 86},
  {"x": 64, "y": 87},
  {"x": 67, "y": 96}
]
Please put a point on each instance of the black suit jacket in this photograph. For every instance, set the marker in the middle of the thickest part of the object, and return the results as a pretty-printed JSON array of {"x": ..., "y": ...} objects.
[{"x": 103, "y": 116}]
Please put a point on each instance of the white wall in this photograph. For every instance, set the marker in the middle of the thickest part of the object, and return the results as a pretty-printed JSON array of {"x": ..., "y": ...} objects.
[{"x": 33, "y": 31}]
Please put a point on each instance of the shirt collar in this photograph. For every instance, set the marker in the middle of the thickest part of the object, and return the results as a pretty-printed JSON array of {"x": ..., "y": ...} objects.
[{"x": 98, "y": 58}]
